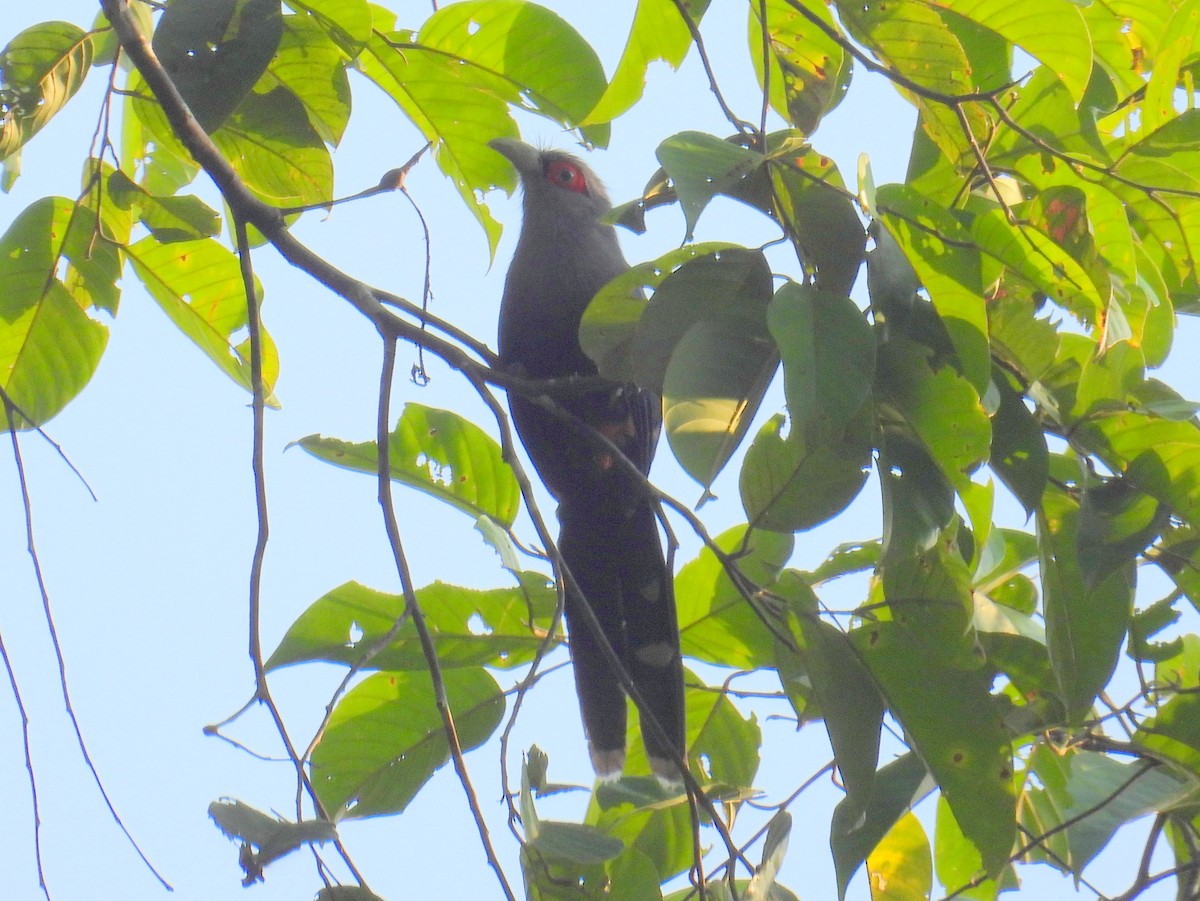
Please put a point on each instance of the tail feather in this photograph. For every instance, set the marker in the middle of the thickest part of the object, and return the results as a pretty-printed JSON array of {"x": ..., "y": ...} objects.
[{"x": 617, "y": 562}]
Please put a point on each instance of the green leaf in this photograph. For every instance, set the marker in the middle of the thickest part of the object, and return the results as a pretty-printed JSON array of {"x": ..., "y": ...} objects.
[
  {"x": 810, "y": 200},
  {"x": 1086, "y": 796},
  {"x": 921, "y": 665},
  {"x": 939, "y": 250},
  {"x": 912, "y": 38},
  {"x": 552, "y": 70},
  {"x": 716, "y": 623},
  {"x": 1173, "y": 733},
  {"x": 1055, "y": 35},
  {"x": 168, "y": 218},
  {"x": 718, "y": 890},
  {"x": 918, "y": 499},
  {"x": 49, "y": 346},
  {"x": 723, "y": 743},
  {"x": 1182, "y": 671},
  {"x": 575, "y": 843},
  {"x": 941, "y": 408},
  {"x": 891, "y": 280},
  {"x": 900, "y": 867},
  {"x": 1084, "y": 625},
  {"x": 270, "y": 142},
  {"x": 1165, "y": 219},
  {"x": 347, "y": 22},
  {"x": 346, "y": 893},
  {"x": 272, "y": 837},
  {"x": 499, "y": 627},
  {"x": 792, "y": 484},
  {"x": 1116, "y": 523},
  {"x": 658, "y": 32},
  {"x": 730, "y": 287},
  {"x": 850, "y": 704},
  {"x": 385, "y": 738},
  {"x": 458, "y": 108},
  {"x": 1149, "y": 622},
  {"x": 40, "y": 70},
  {"x": 1178, "y": 555},
  {"x": 1024, "y": 341},
  {"x": 828, "y": 353},
  {"x": 848, "y": 557},
  {"x": 1109, "y": 380},
  {"x": 216, "y": 50},
  {"x": 854, "y": 833},
  {"x": 1156, "y": 455},
  {"x": 627, "y": 874},
  {"x": 1120, "y": 44},
  {"x": 711, "y": 390},
  {"x": 701, "y": 166},
  {"x": 48, "y": 354},
  {"x": 199, "y": 286},
  {"x": 791, "y": 659},
  {"x": 809, "y": 71},
  {"x": 1018, "y": 456},
  {"x": 439, "y": 453},
  {"x": 1177, "y": 44},
  {"x": 958, "y": 862},
  {"x": 633, "y": 810},
  {"x": 611, "y": 323},
  {"x": 33, "y": 249},
  {"x": 723, "y": 748},
  {"x": 1041, "y": 261},
  {"x": 311, "y": 65}
]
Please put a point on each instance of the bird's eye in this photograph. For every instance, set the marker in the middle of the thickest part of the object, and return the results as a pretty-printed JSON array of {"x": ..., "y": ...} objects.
[{"x": 567, "y": 175}]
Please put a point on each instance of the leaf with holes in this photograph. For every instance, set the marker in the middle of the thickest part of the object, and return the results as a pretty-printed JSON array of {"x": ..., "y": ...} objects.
[
  {"x": 809, "y": 71},
  {"x": 385, "y": 738},
  {"x": 437, "y": 452},
  {"x": 499, "y": 627}
]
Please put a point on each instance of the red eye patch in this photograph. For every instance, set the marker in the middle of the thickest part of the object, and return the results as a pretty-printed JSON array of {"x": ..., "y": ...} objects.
[{"x": 567, "y": 175}]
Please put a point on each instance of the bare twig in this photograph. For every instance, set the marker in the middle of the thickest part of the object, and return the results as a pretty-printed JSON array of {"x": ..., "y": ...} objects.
[
  {"x": 31, "y": 777},
  {"x": 765, "y": 36},
  {"x": 262, "y": 690},
  {"x": 419, "y": 374},
  {"x": 52, "y": 630},
  {"x": 737, "y": 122}
]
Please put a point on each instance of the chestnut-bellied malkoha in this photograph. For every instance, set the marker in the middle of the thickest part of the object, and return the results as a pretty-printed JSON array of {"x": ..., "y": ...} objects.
[{"x": 608, "y": 534}]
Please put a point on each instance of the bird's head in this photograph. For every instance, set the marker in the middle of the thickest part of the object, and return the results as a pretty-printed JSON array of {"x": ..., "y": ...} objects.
[{"x": 554, "y": 181}]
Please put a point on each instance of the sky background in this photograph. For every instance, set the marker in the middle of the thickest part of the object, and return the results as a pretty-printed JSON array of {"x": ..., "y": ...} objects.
[{"x": 149, "y": 582}]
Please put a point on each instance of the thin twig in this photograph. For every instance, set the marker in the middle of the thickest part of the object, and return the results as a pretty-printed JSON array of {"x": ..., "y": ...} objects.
[
  {"x": 428, "y": 648},
  {"x": 32, "y": 778},
  {"x": 15, "y": 413},
  {"x": 52, "y": 630},
  {"x": 765, "y": 35},
  {"x": 419, "y": 374},
  {"x": 740, "y": 124},
  {"x": 262, "y": 690}
]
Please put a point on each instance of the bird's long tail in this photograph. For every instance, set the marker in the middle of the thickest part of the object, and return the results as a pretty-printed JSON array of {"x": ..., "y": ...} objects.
[{"x": 617, "y": 561}]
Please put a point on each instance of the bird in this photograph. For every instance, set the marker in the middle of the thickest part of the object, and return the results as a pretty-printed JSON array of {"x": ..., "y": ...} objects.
[{"x": 608, "y": 530}]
